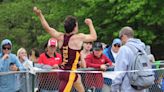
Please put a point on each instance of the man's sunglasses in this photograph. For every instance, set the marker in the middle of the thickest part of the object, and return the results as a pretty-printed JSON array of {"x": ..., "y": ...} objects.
[
  {"x": 6, "y": 48},
  {"x": 117, "y": 45}
]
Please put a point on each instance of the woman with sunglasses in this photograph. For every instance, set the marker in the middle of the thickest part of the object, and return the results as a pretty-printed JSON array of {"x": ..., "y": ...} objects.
[
  {"x": 8, "y": 62},
  {"x": 112, "y": 51}
]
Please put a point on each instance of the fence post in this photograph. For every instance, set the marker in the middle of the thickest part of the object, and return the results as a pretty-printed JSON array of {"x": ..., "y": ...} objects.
[
  {"x": 33, "y": 82},
  {"x": 27, "y": 82}
]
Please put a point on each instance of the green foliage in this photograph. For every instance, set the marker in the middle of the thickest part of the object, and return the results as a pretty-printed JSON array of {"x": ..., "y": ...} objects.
[{"x": 23, "y": 27}]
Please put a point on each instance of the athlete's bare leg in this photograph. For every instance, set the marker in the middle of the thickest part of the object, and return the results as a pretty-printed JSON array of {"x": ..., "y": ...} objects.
[{"x": 78, "y": 84}]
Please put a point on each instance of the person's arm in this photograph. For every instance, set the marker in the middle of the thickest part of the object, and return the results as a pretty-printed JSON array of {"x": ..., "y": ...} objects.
[
  {"x": 92, "y": 36},
  {"x": 1, "y": 64},
  {"x": 5, "y": 56},
  {"x": 54, "y": 33},
  {"x": 82, "y": 60},
  {"x": 108, "y": 61},
  {"x": 122, "y": 61}
]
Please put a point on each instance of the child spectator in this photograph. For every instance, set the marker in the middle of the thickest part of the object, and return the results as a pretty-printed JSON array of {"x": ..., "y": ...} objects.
[{"x": 99, "y": 61}]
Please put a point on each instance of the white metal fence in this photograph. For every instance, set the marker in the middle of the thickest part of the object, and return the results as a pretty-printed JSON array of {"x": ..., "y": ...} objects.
[{"x": 93, "y": 81}]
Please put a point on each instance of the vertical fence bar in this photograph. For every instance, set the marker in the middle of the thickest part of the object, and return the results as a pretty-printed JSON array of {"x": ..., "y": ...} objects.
[
  {"x": 33, "y": 82},
  {"x": 27, "y": 82}
]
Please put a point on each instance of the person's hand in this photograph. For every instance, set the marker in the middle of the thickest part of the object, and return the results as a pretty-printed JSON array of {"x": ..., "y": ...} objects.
[
  {"x": 55, "y": 67},
  {"x": 113, "y": 64},
  {"x": 24, "y": 58},
  {"x": 37, "y": 11},
  {"x": 88, "y": 21},
  {"x": 103, "y": 67},
  {"x": 5, "y": 56},
  {"x": 13, "y": 67}
]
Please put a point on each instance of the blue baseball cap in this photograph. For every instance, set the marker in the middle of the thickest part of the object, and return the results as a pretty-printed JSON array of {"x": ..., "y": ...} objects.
[{"x": 117, "y": 41}]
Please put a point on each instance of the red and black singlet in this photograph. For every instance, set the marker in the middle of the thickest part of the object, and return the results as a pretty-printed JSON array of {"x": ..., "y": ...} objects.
[{"x": 70, "y": 57}]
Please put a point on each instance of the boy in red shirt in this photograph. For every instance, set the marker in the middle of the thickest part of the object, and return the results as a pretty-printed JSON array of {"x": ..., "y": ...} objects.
[{"x": 99, "y": 61}]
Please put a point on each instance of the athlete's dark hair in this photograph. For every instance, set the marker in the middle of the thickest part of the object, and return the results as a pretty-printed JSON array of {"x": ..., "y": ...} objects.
[{"x": 69, "y": 23}]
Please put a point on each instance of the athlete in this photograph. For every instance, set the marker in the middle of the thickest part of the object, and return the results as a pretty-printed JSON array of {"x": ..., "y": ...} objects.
[{"x": 70, "y": 44}]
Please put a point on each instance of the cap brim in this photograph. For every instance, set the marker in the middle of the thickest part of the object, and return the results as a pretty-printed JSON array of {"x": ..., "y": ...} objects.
[
  {"x": 97, "y": 48},
  {"x": 51, "y": 45},
  {"x": 117, "y": 43}
]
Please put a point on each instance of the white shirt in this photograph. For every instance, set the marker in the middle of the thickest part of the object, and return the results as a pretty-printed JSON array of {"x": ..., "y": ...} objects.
[{"x": 114, "y": 54}]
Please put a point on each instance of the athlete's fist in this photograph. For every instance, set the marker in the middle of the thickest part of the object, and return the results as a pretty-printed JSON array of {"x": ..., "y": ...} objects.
[
  {"x": 88, "y": 21},
  {"x": 37, "y": 11}
]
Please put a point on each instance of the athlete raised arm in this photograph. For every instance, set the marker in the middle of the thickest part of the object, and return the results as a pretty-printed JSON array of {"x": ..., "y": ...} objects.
[
  {"x": 70, "y": 44},
  {"x": 80, "y": 38}
]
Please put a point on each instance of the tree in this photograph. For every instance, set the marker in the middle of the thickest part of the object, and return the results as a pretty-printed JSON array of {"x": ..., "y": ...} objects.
[{"x": 19, "y": 23}]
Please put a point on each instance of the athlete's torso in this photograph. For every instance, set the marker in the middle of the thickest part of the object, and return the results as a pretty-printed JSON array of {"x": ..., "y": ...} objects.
[{"x": 70, "y": 57}]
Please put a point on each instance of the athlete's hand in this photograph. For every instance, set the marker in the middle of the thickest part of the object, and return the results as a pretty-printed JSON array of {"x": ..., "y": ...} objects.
[
  {"x": 37, "y": 11},
  {"x": 88, "y": 21}
]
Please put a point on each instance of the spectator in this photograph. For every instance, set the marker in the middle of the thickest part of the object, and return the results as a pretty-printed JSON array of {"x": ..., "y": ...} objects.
[
  {"x": 70, "y": 44},
  {"x": 50, "y": 57},
  {"x": 150, "y": 55},
  {"x": 22, "y": 56},
  {"x": 87, "y": 46},
  {"x": 111, "y": 52},
  {"x": 8, "y": 62},
  {"x": 86, "y": 49},
  {"x": 34, "y": 55},
  {"x": 99, "y": 61},
  {"x": 104, "y": 45},
  {"x": 48, "y": 82},
  {"x": 124, "y": 57},
  {"x": 157, "y": 80}
]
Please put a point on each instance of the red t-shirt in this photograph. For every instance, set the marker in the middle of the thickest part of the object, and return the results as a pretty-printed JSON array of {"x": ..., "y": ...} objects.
[
  {"x": 45, "y": 59},
  {"x": 46, "y": 78}
]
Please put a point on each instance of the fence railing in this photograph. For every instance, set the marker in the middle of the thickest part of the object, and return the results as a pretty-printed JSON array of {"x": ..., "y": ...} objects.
[{"x": 93, "y": 81}]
